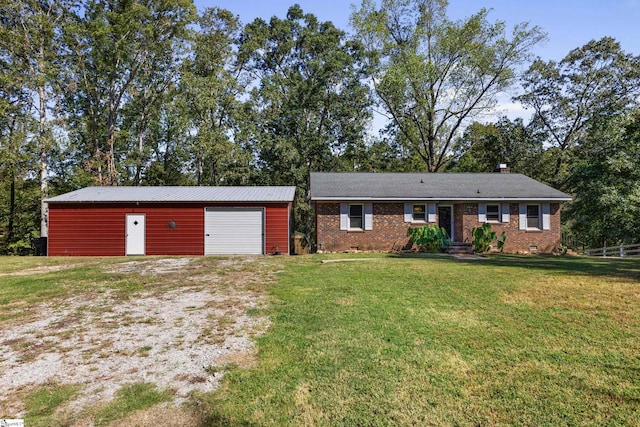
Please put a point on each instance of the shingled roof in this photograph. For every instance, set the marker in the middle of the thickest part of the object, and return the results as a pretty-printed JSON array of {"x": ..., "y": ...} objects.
[
  {"x": 176, "y": 194},
  {"x": 430, "y": 186}
]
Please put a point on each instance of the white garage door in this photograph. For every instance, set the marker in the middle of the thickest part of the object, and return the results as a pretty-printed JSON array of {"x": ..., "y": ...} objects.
[{"x": 231, "y": 231}]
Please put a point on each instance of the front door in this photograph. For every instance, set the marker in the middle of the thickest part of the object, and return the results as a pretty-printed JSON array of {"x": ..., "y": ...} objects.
[
  {"x": 135, "y": 234},
  {"x": 445, "y": 219}
]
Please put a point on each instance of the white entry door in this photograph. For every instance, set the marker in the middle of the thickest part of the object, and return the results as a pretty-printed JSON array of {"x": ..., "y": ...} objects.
[
  {"x": 233, "y": 231},
  {"x": 135, "y": 234}
]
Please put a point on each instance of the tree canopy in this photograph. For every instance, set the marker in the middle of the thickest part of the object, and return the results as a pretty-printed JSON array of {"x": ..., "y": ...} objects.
[
  {"x": 432, "y": 75},
  {"x": 153, "y": 92}
]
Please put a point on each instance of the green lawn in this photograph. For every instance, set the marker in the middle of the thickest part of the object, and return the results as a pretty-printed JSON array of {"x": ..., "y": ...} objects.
[
  {"x": 436, "y": 341},
  {"x": 383, "y": 340}
]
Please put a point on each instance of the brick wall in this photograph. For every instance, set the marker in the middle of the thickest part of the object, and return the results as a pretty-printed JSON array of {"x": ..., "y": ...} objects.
[
  {"x": 389, "y": 229},
  {"x": 518, "y": 241}
]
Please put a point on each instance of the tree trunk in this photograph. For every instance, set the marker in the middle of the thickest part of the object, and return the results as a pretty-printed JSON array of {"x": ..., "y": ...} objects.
[
  {"x": 111, "y": 157},
  {"x": 44, "y": 162},
  {"x": 12, "y": 210}
]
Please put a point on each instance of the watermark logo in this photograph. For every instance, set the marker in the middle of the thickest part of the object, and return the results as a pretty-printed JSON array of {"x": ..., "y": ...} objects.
[{"x": 12, "y": 423}]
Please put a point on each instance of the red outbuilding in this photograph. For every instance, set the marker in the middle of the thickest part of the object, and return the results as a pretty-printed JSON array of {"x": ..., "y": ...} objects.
[{"x": 104, "y": 221}]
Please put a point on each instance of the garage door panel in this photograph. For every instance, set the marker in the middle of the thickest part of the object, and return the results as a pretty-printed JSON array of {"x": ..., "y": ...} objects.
[{"x": 230, "y": 231}]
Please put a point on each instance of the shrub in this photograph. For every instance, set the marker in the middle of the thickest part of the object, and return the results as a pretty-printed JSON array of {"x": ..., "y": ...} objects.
[
  {"x": 483, "y": 236},
  {"x": 429, "y": 238}
]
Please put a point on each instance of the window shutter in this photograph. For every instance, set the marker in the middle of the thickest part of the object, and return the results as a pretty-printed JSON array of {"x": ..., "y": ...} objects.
[
  {"x": 368, "y": 216},
  {"x": 408, "y": 212},
  {"x": 344, "y": 216},
  {"x": 482, "y": 212},
  {"x": 432, "y": 212},
  {"x": 546, "y": 216},
  {"x": 506, "y": 216},
  {"x": 523, "y": 216}
]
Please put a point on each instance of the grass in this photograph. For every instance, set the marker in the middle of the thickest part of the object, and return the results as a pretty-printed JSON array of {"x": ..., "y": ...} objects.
[
  {"x": 396, "y": 340},
  {"x": 41, "y": 404},
  {"x": 26, "y": 281},
  {"x": 134, "y": 397},
  {"x": 431, "y": 341}
]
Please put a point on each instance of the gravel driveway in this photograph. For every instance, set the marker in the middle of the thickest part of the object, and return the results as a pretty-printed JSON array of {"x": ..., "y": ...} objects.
[{"x": 180, "y": 338}]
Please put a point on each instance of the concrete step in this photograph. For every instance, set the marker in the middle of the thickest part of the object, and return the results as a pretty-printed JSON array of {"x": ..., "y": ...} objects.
[{"x": 459, "y": 248}]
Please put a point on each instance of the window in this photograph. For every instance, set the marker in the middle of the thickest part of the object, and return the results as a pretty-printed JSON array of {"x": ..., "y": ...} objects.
[
  {"x": 355, "y": 217},
  {"x": 533, "y": 216},
  {"x": 493, "y": 213},
  {"x": 419, "y": 213}
]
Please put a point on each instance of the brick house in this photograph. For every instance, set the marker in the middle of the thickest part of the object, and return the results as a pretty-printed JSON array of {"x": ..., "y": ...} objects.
[{"x": 372, "y": 211}]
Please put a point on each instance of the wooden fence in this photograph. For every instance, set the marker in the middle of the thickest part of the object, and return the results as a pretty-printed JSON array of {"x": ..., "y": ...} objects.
[{"x": 615, "y": 251}]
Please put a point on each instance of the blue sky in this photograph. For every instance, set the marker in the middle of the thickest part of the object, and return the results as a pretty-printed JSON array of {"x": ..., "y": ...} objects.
[{"x": 568, "y": 23}]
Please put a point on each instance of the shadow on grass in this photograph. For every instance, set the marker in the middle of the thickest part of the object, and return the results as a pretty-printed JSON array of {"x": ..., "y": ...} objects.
[
  {"x": 628, "y": 268},
  {"x": 216, "y": 419}
]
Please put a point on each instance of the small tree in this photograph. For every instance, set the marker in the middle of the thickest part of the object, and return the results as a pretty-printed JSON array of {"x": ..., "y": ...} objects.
[
  {"x": 429, "y": 238},
  {"x": 483, "y": 236}
]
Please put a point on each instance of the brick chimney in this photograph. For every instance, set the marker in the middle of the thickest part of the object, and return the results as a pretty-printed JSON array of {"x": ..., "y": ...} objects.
[{"x": 503, "y": 168}]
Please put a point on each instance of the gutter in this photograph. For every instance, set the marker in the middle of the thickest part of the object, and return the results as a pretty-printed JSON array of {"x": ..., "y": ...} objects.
[{"x": 442, "y": 199}]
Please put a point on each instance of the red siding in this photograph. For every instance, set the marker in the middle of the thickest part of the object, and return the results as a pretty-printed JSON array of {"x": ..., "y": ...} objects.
[
  {"x": 277, "y": 229},
  {"x": 99, "y": 229}
]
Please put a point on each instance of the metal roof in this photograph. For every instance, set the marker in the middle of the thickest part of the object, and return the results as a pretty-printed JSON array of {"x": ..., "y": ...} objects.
[
  {"x": 430, "y": 186},
  {"x": 176, "y": 194}
]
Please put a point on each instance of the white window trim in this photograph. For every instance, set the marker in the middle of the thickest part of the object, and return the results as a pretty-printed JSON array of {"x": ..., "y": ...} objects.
[
  {"x": 539, "y": 227},
  {"x": 503, "y": 213},
  {"x": 426, "y": 214},
  {"x": 361, "y": 217},
  {"x": 493, "y": 221},
  {"x": 429, "y": 213}
]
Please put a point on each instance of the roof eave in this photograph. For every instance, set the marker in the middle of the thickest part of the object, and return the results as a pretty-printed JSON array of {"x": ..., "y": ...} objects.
[
  {"x": 445, "y": 199},
  {"x": 163, "y": 201}
]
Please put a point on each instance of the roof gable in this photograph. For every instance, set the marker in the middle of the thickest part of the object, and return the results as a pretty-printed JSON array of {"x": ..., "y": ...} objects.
[{"x": 430, "y": 186}]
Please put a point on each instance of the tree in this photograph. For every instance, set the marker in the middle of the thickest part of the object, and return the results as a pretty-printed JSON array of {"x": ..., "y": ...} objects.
[
  {"x": 31, "y": 40},
  {"x": 211, "y": 85},
  {"x": 606, "y": 184},
  {"x": 18, "y": 218},
  {"x": 595, "y": 82},
  {"x": 432, "y": 75},
  {"x": 120, "y": 53},
  {"x": 308, "y": 103},
  {"x": 483, "y": 147}
]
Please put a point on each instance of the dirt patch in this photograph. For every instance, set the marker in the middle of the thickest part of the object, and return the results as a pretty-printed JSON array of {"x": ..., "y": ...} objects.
[
  {"x": 182, "y": 339},
  {"x": 156, "y": 266},
  {"x": 39, "y": 270},
  {"x": 175, "y": 417}
]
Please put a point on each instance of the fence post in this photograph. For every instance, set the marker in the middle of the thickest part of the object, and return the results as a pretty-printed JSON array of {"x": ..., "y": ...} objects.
[
  {"x": 604, "y": 252},
  {"x": 621, "y": 251}
]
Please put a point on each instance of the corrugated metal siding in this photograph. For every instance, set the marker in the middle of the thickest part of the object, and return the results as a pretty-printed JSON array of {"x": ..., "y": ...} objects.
[
  {"x": 99, "y": 229},
  {"x": 277, "y": 229},
  {"x": 185, "y": 239},
  {"x": 86, "y": 231}
]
